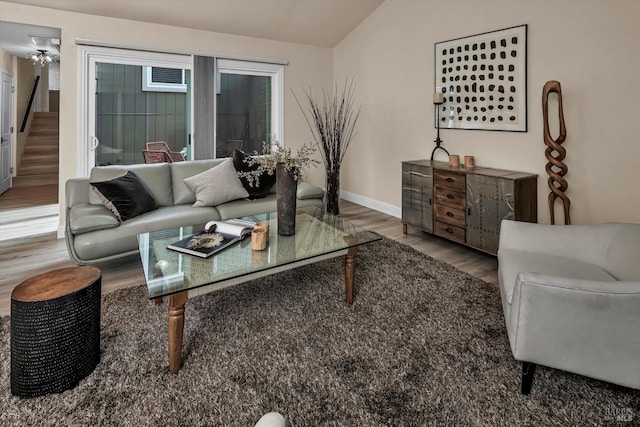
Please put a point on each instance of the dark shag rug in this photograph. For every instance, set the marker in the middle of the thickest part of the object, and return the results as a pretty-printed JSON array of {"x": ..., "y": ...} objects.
[{"x": 423, "y": 344}]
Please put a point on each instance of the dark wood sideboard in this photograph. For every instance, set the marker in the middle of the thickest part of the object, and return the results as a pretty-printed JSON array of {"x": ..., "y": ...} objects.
[{"x": 466, "y": 205}]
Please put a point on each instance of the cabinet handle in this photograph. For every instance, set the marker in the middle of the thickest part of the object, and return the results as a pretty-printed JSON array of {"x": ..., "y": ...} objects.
[
  {"x": 449, "y": 179},
  {"x": 449, "y": 213},
  {"x": 430, "y": 202},
  {"x": 469, "y": 211},
  {"x": 450, "y": 196},
  {"x": 419, "y": 174},
  {"x": 448, "y": 230}
]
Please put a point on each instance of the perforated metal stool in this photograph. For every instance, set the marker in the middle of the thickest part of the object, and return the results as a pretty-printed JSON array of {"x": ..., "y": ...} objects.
[{"x": 55, "y": 330}]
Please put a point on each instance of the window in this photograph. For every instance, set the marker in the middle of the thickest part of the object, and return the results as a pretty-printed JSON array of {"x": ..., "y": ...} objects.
[{"x": 158, "y": 79}]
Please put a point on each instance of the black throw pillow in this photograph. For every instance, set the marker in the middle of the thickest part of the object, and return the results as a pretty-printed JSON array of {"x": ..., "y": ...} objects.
[
  {"x": 262, "y": 186},
  {"x": 125, "y": 196}
]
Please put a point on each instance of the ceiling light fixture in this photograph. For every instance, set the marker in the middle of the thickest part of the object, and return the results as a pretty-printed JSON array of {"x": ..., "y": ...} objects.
[{"x": 41, "y": 56}]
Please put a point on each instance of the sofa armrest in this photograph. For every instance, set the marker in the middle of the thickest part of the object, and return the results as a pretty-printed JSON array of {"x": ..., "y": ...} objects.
[
  {"x": 76, "y": 192},
  {"x": 582, "y": 326},
  {"x": 308, "y": 191}
]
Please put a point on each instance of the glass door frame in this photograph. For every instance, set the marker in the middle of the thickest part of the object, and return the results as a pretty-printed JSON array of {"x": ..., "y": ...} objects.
[
  {"x": 90, "y": 55},
  {"x": 275, "y": 72}
]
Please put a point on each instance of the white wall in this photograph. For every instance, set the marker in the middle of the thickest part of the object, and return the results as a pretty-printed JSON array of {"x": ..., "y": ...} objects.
[
  {"x": 6, "y": 61},
  {"x": 308, "y": 66},
  {"x": 591, "y": 47}
]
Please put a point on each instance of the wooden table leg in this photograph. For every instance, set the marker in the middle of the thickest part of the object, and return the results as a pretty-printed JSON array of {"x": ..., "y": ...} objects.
[
  {"x": 176, "y": 328},
  {"x": 350, "y": 263}
]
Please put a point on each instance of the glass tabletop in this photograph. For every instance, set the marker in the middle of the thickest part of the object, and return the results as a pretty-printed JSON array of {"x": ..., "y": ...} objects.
[{"x": 317, "y": 234}]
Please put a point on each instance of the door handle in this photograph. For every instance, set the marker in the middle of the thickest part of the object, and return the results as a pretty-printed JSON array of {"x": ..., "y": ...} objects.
[{"x": 94, "y": 143}]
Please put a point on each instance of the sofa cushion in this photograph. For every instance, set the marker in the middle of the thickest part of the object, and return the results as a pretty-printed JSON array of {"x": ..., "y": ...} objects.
[
  {"x": 125, "y": 196},
  {"x": 123, "y": 239},
  {"x": 156, "y": 177},
  {"x": 217, "y": 185},
  {"x": 261, "y": 185},
  {"x": 85, "y": 217},
  {"x": 246, "y": 207},
  {"x": 182, "y": 194},
  {"x": 514, "y": 261}
]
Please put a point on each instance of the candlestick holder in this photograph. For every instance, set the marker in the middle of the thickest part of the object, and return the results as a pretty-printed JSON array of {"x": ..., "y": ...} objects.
[{"x": 438, "y": 100}]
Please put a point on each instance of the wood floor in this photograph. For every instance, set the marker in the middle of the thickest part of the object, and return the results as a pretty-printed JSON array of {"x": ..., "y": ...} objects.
[
  {"x": 23, "y": 258},
  {"x": 23, "y": 196}
]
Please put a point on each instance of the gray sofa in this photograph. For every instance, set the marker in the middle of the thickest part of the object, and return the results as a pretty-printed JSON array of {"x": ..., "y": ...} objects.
[
  {"x": 94, "y": 234},
  {"x": 571, "y": 298}
]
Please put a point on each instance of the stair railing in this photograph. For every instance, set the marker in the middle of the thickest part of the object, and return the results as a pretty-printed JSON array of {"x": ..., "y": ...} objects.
[{"x": 28, "y": 111}]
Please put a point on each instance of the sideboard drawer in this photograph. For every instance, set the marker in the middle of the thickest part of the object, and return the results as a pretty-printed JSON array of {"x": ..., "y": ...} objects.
[
  {"x": 450, "y": 215},
  {"x": 450, "y": 180},
  {"x": 453, "y": 199},
  {"x": 417, "y": 177},
  {"x": 450, "y": 231}
]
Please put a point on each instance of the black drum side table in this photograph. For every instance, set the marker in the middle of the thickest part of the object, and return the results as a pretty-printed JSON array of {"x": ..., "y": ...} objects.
[{"x": 55, "y": 330}]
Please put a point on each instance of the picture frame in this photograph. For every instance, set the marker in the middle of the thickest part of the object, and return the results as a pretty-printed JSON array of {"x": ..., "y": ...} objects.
[{"x": 484, "y": 81}]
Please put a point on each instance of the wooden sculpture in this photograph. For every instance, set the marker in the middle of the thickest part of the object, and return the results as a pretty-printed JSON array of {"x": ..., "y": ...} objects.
[{"x": 555, "y": 153}]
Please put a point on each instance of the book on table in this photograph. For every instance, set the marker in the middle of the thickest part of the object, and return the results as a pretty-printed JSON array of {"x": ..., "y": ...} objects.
[{"x": 217, "y": 236}]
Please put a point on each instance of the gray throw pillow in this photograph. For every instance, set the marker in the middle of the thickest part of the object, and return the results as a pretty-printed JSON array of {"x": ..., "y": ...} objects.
[{"x": 217, "y": 185}]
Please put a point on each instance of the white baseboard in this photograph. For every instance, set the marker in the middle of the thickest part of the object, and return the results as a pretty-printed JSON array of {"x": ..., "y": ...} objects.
[
  {"x": 29, "y": 222},
  {"x": 376, "y": 205}
]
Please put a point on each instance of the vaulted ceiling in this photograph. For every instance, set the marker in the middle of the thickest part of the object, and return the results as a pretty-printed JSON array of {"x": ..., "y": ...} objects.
[{"x": 315, "y": 22}]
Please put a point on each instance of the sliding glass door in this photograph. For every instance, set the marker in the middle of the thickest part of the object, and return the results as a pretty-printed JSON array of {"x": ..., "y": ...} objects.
[
  {"x": 248, "y": 105},
  {"x": 138, "y": 104},
  {"x": 132, "y": 98}
]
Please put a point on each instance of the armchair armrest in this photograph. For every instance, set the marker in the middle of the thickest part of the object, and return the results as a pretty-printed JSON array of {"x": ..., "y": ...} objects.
[
  {"x": 600, "y": 322},
  {"x": 587, "y": 243},
  {"x": 176, "y": 156}
]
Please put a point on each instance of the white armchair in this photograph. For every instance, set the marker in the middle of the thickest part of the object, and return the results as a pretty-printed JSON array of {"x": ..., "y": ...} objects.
[{"x": 571, "y": 298}]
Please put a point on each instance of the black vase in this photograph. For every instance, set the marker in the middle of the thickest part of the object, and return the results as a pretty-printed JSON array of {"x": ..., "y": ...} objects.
[
  {"x": 332, "y": 205},
  {"x": 286, "y": 188}
]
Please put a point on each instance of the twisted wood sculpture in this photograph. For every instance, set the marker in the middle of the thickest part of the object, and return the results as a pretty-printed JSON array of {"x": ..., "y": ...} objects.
[{"x": 555, "y": 168}]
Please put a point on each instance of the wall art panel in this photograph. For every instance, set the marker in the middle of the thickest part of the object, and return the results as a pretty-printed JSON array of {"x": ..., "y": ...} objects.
[{"x": 484, "y": 81}]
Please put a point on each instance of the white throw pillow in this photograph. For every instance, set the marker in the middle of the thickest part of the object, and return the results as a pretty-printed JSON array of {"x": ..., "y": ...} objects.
[{"x": 217, "y": 185}]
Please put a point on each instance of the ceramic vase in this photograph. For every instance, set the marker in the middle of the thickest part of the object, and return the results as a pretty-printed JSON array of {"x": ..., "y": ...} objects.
[{"x": 286, "y": 188}]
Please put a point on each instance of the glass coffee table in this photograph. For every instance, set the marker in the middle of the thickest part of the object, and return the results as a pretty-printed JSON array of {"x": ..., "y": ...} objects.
[{"x": 179, "y": 276}]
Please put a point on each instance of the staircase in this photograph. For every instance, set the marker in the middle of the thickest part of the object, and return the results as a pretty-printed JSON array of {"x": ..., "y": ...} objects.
[
  {"x": 36, "y": 181},
  {"x": 39, "y": 163},
  {"x": 30, "y": 207}
]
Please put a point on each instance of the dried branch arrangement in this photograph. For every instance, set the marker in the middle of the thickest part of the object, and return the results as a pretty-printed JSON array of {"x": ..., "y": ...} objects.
[
  {"x": 332, "y": 123},
  {"x": 274, "y": 154}
]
